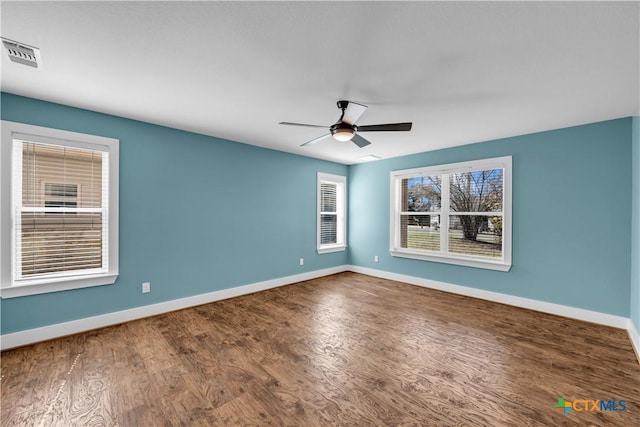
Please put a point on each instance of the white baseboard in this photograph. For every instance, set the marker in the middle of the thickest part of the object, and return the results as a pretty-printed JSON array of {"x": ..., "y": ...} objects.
[
  {"x": 635, "y": 338},
  {"x": 44, "y": 333},
  {"x": 545, "y": 307}
]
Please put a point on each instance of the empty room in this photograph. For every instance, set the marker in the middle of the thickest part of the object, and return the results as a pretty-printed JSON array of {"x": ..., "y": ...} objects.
[{"x": 320, "y": 213}]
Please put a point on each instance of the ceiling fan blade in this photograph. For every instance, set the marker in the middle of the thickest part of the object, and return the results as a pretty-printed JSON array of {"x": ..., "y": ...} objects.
[
  {"x": 302, "y": 124},
  {"x": 359, "y": 141},
  {"x": 353, "y": 112},
  {"x": 386, "y": 127},
  {"x": 313, "y": 141}
]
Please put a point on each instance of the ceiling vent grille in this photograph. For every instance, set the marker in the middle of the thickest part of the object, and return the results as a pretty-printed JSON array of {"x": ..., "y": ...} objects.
[{"x": 22, "y": 53}]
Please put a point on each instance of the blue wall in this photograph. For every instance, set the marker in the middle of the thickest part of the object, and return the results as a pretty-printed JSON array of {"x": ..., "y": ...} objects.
[
  {"x": 571, "y": 217},
  {"x": 197, "y": 214},
  {"x": 635, "y": 225}
]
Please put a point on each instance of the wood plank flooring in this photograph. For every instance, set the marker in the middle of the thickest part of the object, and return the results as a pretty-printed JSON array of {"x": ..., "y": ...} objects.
[{"x": 346, "y": 349}]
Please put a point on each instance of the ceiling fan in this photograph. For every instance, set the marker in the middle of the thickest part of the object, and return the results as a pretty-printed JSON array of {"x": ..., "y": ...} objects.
[{"x": 345, "y": 128}]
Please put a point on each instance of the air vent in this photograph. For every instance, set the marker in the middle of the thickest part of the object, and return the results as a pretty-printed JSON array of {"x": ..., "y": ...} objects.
[{"x": 22, "y": 53}]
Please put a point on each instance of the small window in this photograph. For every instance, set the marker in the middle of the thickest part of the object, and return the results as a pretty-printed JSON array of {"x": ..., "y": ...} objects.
[
  {"x": 62, "y": 209},
  {"x": 60, "y": 196},
  {"x": 457, "y": 213},
  {"x": 331, "y": 213}
]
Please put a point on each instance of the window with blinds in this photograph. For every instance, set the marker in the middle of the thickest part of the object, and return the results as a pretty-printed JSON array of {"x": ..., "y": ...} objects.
[
  {"x": 331, "y": 213},
  {"x": 61, "y": 210},
  {"x": 457, "y": 213},
  {"x": 63, "y": 205},
  {"x": 328, "y": 214}
]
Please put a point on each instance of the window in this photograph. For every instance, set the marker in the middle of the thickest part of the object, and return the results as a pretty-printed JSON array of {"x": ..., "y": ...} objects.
[
  {"x": 60, "y": 195},
  {"x": 457, "y": 213},
  {"x": 331, "y": 213},
  {"x": 59, "y": 213}
]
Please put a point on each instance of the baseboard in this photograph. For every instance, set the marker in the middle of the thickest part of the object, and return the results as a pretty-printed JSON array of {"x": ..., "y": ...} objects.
[
  {"x": 531, "y": 304},
  {"x": 635, "y": 338},
  {"x": 58, "y": 330}
]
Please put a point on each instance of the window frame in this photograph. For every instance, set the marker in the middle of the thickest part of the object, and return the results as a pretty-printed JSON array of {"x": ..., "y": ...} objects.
[
  {"x": 9, "y": 286},
  {"x": 395, "y": 249},
  {"x": 341, "y": 213}
]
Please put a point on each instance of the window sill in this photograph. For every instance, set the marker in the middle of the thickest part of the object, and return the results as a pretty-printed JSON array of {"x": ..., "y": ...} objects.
[
  {"x": 467, "y": 262},
  {"x": 330, "y": 249},
  {"x": 43, "y": 286}
]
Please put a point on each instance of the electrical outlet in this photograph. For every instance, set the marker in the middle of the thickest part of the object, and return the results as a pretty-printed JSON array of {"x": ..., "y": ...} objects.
[
  {"x": 375, "y": 258},
  {"x": 301, "y": 261},
  {"x": 146, "y": 287}
]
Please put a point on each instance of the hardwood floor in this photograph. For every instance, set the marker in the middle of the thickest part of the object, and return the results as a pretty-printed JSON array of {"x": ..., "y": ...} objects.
[{"x": 346, "y": 349}]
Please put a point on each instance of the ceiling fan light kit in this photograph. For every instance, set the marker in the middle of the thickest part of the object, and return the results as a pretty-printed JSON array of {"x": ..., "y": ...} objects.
[
  {"x": 345, "y": 128},
  {"x": 343, "y": 132}
]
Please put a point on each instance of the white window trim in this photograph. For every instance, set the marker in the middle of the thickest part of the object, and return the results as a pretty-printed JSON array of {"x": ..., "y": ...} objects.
[
  {"x": 341, "y": 182},
  {"x": 503, "y": 264},
  {"x": 9, "y": 288}
]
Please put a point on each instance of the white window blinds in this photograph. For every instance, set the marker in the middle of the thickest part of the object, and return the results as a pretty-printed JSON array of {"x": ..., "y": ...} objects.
[
  {"x": 60, "y": 201},
  {"x": 328, "y": 213}
]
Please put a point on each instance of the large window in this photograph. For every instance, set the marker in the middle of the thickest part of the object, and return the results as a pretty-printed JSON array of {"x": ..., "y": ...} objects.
[
  {"x": 457, "y": 213},
  {"x": 59, "y": 210},
  {"x": 331, "y": 213}
]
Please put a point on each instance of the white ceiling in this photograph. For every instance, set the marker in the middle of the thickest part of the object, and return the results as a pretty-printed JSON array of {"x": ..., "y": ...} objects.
[{"x": 461, "y": 72}]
